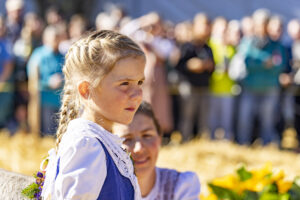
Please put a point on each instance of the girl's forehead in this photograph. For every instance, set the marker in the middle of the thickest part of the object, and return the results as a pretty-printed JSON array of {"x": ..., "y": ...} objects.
[{"x": 129, "y": 68}]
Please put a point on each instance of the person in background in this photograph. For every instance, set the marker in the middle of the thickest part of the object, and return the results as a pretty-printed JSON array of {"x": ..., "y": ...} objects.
[
  {"x": 247, "y": 30},
  {"x": 221, "y": 85},
  {"x": 294, "y": 33},
  {"x": 156, "y": 86},
  {"x": 183, "y": 33},
  {"x": 53, "y": 16},
  {"x": 286, "y": 118},
  {"x": 6, "y": 76},
  {"x": 48, "y": 61},
  {"x": 196, "y": 65},
  {"x": 247, "y": 26},
  {"x": 76, "y": 29},
  {"x": 260, "y": 87},
  {"x": 14, "y": 19},
  {"x": 142, "y": 138},
  {"x": 29, "y": 39}
]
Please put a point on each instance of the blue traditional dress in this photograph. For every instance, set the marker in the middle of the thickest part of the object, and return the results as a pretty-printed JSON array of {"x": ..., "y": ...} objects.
[{"x": 90, "y": 164}]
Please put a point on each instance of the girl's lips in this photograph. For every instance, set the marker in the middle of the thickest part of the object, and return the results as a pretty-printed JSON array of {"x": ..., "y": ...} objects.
[{"x": 130, "y": 109}]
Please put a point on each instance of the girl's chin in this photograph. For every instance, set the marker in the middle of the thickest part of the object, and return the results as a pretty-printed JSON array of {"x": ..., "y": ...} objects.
[{"x": 126, "y": 121}]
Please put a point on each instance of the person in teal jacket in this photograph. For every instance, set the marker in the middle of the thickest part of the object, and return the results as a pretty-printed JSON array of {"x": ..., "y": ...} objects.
[
  {"x": 264, "y": 61},
  {"x": 49, "y": 62}
]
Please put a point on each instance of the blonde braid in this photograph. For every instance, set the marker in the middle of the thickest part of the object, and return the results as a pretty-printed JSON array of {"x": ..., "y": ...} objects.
[{"x": 68, "y": 112}]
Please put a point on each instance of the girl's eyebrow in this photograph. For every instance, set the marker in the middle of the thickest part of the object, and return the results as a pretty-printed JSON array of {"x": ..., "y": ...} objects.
[{"x": 128, "y": 79}]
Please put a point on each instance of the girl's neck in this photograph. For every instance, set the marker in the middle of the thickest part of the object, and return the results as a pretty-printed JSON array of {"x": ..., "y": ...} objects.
[
  {"x": 106, "y": 124},
  {"x": 147, "y": 182}
]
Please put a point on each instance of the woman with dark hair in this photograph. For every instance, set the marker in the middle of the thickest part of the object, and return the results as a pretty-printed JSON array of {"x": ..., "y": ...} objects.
[{"x": 142, "y": 138}]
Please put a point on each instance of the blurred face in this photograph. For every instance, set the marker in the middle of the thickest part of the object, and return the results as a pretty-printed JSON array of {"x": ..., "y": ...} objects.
[
  {"x": 294, "y": 29},
  {"x": 201, "y": 30},
  {"x": 183, "y": 32},
  {"x": 219, "y": 28},
  {"x": 274, "y": 29},
  {"x": 247, "y": 26},
  {"x": 15, "y": 14},
  {"x": 54, "y": 41},
  {"x": 260, "y": 28},
  {"x": 53, "y": 17},
  {"x": 142, "y": 141},
  {"x": 119, "y": 93}
]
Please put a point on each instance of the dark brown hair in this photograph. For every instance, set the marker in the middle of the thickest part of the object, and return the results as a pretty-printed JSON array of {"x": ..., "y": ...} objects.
[{"x": 146, "y": 109}]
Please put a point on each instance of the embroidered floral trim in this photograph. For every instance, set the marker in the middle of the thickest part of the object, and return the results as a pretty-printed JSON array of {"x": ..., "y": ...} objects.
[
  {"x": 34, "y": 190},
  {"x": 119, "y": 156}
]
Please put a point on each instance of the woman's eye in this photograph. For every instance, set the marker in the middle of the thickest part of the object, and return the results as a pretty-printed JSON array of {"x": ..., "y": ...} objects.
[
  {"x": 128, "y": 140},
  {"x": 147, "y": 136}
]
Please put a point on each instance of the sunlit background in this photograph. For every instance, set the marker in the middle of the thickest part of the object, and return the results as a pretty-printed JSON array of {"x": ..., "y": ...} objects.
[{"x": 204, "y": 116}]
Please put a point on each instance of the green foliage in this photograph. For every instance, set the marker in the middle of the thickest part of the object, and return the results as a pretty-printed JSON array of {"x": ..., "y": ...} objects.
[
  {"x": 249, "y": 195},
  {"x": 244, "y": 174},
  {"x": 31, "y": 190},
  {"x": 294, "y": 192},
  {"x": 224, "y": 193},
  {"x": 271, "y": 188}
]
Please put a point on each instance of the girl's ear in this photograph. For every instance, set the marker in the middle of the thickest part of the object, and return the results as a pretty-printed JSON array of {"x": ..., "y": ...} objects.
[{"x": 84, "y": 89}]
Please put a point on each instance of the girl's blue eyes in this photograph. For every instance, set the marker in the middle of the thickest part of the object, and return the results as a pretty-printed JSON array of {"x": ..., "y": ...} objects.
[
  {"x": 124, "y": 83},
  {"x": 127, "y": 83}
]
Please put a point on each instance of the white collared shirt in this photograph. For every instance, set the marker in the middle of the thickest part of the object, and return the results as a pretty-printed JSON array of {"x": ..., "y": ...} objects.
[{"x": 82, "y": 167}]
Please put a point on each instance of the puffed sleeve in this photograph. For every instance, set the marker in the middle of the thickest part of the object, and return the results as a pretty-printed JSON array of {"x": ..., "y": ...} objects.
[
  {"x": 187, "y": 187},
  {"x": 82, "y": 170}
]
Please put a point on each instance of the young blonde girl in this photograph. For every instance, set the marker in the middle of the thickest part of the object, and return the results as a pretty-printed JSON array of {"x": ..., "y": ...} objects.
[{"x": 103, "y": 74}]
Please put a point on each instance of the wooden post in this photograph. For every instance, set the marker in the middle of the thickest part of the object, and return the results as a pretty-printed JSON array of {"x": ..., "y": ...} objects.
[{"x": 34, "y": 102}]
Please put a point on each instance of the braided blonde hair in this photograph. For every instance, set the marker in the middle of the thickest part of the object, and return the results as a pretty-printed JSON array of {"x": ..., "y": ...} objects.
[{"x": 90, "y": 58}]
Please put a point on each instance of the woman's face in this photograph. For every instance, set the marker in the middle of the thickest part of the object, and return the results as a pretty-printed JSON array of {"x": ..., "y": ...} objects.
[{"x": 142, "y": 141}]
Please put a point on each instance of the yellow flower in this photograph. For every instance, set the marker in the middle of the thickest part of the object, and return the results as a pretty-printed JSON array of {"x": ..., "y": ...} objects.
[
  {"x": 209, "y": 197},
  {"x": 278, "y": 176},
  {"x": 263, "y": 172},
  {"x": 228, "y": 181},
  {"x": 283, "y": 186}
]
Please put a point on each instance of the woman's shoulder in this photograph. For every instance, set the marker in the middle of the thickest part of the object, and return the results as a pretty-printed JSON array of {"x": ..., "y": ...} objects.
[
  {"x": 186, "y": 184},
  {"x": 182, "y": 176}
]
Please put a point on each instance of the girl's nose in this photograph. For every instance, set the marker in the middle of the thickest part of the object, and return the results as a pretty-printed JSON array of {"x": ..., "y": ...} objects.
[{"x": 137, "y": 93}]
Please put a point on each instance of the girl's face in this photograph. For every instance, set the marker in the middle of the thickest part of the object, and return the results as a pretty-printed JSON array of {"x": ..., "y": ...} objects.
[
  {"x": 142, "y": 141},
  {"x": 119, "y": 93}
]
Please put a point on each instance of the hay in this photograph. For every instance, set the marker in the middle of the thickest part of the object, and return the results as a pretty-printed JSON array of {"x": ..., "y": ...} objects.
[{"x": 23, "y": 153}]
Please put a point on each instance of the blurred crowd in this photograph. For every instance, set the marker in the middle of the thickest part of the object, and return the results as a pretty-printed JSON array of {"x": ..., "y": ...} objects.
[{"x": 229, "y": 79}]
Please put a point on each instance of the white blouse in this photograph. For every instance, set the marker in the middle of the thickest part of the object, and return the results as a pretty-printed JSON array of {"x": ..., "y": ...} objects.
[
  {"x": 173, "y": 185},
  {"x": 82, "y": 167}
]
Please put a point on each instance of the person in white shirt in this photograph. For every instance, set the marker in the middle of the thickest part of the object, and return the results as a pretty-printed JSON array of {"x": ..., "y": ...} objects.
[
  {"x": 103, "y": 73},
  {"x": 143, "y": 140}
]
